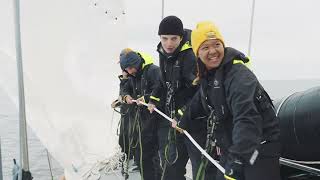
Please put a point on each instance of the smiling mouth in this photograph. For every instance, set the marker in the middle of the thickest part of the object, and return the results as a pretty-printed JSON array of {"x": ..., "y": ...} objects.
[{"x": 214, "y": 58}]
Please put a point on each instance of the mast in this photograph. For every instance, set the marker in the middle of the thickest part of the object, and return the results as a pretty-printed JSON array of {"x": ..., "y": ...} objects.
[
  {"x": 251, "y": 27},
  {"x": 24, "y": 159},
  {"x": 162, "y": 9}
]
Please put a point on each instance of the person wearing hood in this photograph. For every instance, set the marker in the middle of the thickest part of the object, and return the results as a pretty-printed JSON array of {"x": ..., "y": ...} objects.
[
  {"x": 178, "y": 71},
  {"x": 231, "y": 111},
  {"x": 127, "y": 115},
  {"x": 144, "y": 77},
  {"x": 125, "y": 110}
]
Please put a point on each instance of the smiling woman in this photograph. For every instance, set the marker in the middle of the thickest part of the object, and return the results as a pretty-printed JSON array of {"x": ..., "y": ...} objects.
[{"x": 243, "y": 128}]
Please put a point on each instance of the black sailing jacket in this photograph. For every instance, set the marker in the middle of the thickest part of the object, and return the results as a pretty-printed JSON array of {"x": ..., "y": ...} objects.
[{"x": 245, "y": 112}]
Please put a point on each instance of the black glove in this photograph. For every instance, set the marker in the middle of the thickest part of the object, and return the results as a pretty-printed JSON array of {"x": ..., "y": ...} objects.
[{"x": 234, "y": 170}]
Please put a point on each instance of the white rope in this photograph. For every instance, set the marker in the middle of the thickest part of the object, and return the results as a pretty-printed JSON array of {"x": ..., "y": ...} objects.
[
  {"x": 108, "y": 166},
  {"x": 302, "y": 162},
  {"x": 214, "y": 162}
]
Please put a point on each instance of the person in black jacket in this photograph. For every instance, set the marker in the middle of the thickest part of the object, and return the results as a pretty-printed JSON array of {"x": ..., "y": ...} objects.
[
  {"x": 144, "y": 77},
  {"x": 178, "y": 70},
  {"x": 127, "y": 115},
  {"x": 124, "y": 112},
  {"x": 232, "y": 111}
]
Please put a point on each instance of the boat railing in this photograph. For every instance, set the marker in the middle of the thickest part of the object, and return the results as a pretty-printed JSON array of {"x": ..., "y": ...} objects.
[{"x": 302, "y": 165}]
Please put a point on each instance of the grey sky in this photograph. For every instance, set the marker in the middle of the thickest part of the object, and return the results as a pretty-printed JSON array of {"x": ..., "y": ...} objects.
[{"x": 285, "y": 38}]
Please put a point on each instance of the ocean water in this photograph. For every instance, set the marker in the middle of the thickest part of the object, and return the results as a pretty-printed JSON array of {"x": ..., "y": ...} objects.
[
  {"x": 39, "y": 165},
  {"x": 9, "y": 133}
]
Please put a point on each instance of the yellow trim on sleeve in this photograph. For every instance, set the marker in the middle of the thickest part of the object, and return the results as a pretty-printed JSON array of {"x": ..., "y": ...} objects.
[
  {"x": 229, "y": 178},
  {"x": 155, "y": 98}
]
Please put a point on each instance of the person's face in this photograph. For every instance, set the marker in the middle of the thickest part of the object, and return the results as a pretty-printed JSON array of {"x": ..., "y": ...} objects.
[
  {"x": 131, "y": 70},
  {"x": 170, "y": 42},
  {"x": 211, "y": 53}
]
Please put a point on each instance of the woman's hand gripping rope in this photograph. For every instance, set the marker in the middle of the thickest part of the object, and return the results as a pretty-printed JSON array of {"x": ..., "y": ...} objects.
[{"x": 174, "y": 123}]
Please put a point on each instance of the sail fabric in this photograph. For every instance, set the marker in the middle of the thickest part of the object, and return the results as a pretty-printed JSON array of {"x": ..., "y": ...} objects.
[
  {"x": 8, "y": 76},
  {"x": 70, "y": 53},
  {"x": 8, "y": 66}
]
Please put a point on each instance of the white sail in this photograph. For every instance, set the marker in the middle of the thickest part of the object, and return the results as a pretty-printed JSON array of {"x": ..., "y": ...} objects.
[
  {"x": 70, "y": 52},
  {"x": 8, "y": 80},
  {"x": 8, "y": 67}
]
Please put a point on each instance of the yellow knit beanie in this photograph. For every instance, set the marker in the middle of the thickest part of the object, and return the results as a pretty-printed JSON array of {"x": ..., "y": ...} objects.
[{"x": 204, "y": 31}]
